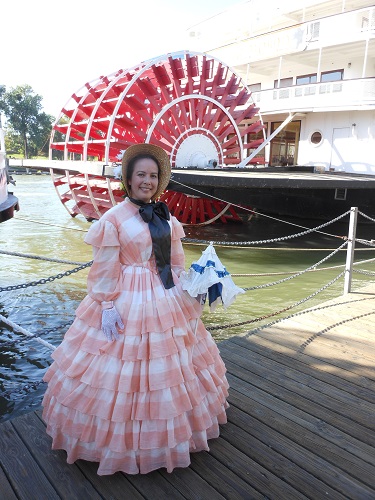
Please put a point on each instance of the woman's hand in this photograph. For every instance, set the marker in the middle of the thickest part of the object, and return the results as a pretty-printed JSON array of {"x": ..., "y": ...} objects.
[{"x": 111, "y": 317}]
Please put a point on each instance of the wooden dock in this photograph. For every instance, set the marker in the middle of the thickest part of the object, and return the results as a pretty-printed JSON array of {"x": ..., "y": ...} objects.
[{"x": 300, "y": 425}]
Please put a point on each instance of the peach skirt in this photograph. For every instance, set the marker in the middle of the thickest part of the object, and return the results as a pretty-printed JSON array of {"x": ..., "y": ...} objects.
[{"x": 146, "y": 400}]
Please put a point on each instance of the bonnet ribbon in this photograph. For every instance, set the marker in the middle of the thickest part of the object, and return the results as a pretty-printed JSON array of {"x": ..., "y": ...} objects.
[{"x": 157, "y": 216}]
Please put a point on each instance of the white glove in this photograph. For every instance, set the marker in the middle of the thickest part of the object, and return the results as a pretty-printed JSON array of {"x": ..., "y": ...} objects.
[{"x": 109, "y": 319}]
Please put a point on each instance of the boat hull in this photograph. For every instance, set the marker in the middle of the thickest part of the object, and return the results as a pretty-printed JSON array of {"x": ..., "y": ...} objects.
[{"x": 291, "y": 192}]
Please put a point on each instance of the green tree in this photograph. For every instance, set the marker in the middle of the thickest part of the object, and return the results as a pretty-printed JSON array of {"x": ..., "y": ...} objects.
[{"x": 23, "y": 109}]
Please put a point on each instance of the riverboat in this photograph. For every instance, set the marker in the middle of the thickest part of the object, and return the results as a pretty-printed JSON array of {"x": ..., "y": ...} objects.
[
  {"x": 285, "y": 125},
  {"x": 8, "y": 202}
]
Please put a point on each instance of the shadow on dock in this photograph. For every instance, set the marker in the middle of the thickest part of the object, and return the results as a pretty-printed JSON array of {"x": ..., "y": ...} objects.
[{"x": 300, "y": 425}]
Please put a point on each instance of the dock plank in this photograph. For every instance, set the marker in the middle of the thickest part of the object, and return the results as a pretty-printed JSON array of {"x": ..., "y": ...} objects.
[
  {"x": 225, "y": 481},
  {"x": 300, "y": 423},
  {"x": 24, "y": 474},
  {"x": 320, "y": 369},
  {"x": 315, "y": 401},
  {"x": 325, "y": 478},
  {"x": 68, "y": 481},
  {"x": 7, "y": 492}
]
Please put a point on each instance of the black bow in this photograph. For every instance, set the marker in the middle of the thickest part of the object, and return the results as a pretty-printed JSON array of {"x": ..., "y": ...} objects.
[{"x": 156, "y": 215}]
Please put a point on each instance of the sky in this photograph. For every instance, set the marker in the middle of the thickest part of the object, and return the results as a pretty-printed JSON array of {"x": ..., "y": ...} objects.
[{"x": 56, "y": 47}]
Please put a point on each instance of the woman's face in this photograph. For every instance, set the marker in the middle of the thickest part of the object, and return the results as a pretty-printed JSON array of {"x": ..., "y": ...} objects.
[{"x": 144, "y": 181}]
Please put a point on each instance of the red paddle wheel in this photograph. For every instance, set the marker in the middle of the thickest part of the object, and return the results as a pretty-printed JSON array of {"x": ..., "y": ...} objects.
[{"x": 191, "y": 104}]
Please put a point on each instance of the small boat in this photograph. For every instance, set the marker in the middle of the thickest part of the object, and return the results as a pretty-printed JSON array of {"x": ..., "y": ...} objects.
[{"x": 8, "y": 202}]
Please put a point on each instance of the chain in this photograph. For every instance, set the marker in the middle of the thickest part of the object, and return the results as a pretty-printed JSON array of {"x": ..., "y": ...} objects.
[
  {"x": 43, "y": 281},
  {"x": 366, "y": 216},
  {"x": 297, "y": 274},
  {"x": 26, "y": 389},
  {"x": 296, "y": 304},
  {"x": 363, "y": 271},
  {"x": 273, "y": 240}
]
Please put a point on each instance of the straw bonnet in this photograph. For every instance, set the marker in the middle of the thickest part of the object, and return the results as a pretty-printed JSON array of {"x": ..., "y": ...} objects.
[{"x": 160, "y": 155}]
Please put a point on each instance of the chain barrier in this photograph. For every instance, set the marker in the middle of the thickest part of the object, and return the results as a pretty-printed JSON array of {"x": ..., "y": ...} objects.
[
  {"x": 26, "y": 389},
  {"x": 33, "y": 386},
  {"x": 37, "y": 257},
  {"x": 260, "y": 318},
  {"x": 363, "y": 271},
  {"x": 299, "y": 273},
  {"x": 273, "y": 240},
  {"x": 43, "y": 281}
]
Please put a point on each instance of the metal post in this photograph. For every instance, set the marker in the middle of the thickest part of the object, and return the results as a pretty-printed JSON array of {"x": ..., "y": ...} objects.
[{"x": 350, "y": 249}]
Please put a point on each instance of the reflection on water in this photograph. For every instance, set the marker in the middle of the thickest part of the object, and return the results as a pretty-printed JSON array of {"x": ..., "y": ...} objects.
[{"x": 43, "y": 227}]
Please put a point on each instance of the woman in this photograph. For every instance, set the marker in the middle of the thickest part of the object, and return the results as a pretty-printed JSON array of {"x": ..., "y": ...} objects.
[{"x": 132, "y": 385}]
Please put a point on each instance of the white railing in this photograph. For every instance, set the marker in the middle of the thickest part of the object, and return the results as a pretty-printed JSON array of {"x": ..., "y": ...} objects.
[{"x": 343, "y": 94}]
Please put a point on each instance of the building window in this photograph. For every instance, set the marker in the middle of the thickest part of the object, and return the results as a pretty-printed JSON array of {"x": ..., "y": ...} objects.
[
  {"x": 284, "y": 82},
  {"x": 316, "y": 138},
  {"x": 332, "y": 76},
  {"x": 305, "y": 79}
]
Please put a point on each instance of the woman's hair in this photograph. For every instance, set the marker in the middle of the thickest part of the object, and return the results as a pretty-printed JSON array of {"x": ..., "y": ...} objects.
[{"x": 133, "y": 161}]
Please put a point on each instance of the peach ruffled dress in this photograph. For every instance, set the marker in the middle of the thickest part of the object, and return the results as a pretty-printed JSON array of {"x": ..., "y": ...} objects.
[{"x": 147, "y": 400}]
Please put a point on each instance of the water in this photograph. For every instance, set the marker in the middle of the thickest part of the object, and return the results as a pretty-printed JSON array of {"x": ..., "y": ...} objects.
[{"x": 43, "y": 227}]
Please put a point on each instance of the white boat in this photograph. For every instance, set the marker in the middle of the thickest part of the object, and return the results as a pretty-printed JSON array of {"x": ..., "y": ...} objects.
[
  {"x": 310, "y": 67},
  {"x": 272, "y": 107},
  {"x": 8, "y": 202}
]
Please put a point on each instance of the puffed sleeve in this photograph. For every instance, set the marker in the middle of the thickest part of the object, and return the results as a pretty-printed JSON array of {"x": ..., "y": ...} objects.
[
  {"x": 177, "y": 251},
  {"x": 103, "y": 277}
]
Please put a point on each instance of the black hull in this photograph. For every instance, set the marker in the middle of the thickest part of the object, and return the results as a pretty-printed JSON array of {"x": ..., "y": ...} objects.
[
  {"x": 8, "y": 207},
  {"x": 289, "y": 192}
]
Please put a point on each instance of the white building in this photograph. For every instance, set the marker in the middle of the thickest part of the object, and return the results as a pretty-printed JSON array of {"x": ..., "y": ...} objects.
[{"x": 311, "y": 68}]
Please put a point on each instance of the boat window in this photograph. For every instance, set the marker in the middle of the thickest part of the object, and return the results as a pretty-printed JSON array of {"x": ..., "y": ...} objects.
[
  {"x": 284, "y": 146},
  {"x": 316, "y": 138},
  {"x": 284, "y": 82},
  {"x": 255, "y": 87},
  {"x": 332, "y": 76},
  {"x": 304, "y": 79}
]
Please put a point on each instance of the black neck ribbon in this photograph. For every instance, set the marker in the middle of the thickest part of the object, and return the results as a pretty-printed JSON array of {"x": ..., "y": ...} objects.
[{"x": 156, "y": 214}]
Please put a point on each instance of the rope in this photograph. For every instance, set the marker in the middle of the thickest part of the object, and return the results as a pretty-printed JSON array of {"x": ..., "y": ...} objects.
[
  {"x": 252, "y": 211},
  {"x": 49, "y": 224},
  {"x": 329, "y": 268},
  {"x": 37, "y": 257},
  {"x": 18, "y": 328},
  {"x": 366, "y": 216}
]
